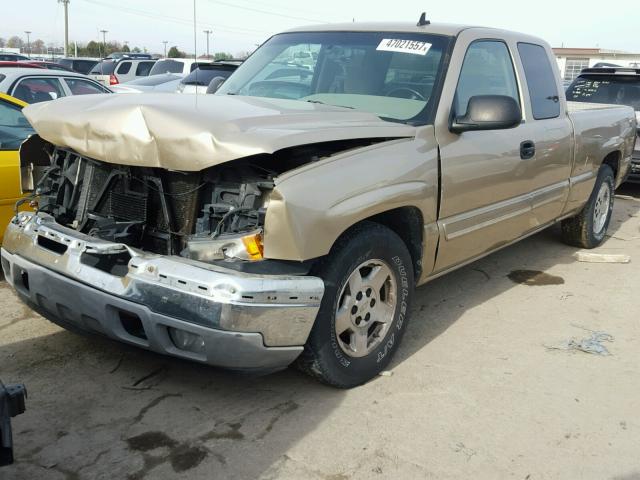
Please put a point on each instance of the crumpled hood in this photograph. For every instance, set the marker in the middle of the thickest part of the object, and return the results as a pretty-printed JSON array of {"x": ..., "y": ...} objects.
[{"x": 193, "y": 132}]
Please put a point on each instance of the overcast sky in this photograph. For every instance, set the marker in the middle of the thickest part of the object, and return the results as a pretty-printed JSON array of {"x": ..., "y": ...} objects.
[{"x": 239, "y": 24}]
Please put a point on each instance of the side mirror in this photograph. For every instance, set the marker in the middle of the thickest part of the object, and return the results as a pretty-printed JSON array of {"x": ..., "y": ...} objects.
[
  {"x": 488, "y": 112},
  {"x": 215, "y": 84}
]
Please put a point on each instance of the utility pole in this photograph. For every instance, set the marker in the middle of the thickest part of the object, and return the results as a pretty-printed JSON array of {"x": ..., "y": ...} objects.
[
  {"x": 104, "y": 40},
  {"x": 28, "y": 42},
  {"x": 66, "y": 24},
  {"x": 165, "y": 47},
  {"x": 208, "y": 32}
]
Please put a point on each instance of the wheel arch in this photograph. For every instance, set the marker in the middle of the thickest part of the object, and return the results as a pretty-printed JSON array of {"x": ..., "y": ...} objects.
[
  {"x": 613, "y": 160},
  {"x": 408, "y": 223}
]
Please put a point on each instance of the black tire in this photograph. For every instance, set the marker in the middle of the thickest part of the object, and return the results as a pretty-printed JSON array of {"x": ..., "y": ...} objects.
[
  {"x": 580, "y": 231},
  {"x": 324, "y": 358}
]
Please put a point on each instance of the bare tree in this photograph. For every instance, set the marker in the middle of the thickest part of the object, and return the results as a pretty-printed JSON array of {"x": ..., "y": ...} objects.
[{"x": 15, "y": 42}]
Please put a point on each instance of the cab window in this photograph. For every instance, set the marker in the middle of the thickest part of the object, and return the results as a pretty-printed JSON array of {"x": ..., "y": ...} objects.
[
  {"x": 124, "y": 68},
  {"x": 487, "y": 70},
  {"x": 80, "y": 86},
  {"x": 543, "y": 89},
  {"x": 14, "y": 127},
  {"x": 144, "y": 68},
  {"x": 35, "y": 90}
]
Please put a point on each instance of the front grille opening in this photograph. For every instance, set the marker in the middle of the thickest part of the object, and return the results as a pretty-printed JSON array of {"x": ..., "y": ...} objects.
[
  {"x": 113, "y": 263},
  {"x": 24, "y": 278},
  {"x": 51, "y": 245},
  {"x": 132, "y": 324}
]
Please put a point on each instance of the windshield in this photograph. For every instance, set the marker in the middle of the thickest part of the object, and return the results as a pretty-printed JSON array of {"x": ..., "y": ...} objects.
[
  {"x": 613, "y": 89},
  {"x": 205, "y": 73},
  {"x": 390, "y": 74},
  {"x": 167, "y": 66}
]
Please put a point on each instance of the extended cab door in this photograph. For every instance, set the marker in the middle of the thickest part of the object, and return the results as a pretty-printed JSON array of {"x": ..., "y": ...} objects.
[{"x": 491, "y": 179}]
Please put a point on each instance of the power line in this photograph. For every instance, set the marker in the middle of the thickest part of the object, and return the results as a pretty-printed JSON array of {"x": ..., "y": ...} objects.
[
  {"x": 266, "y": 12},
  {"x": 288, "y": 8},
  {"x": 177, "y": 20}
]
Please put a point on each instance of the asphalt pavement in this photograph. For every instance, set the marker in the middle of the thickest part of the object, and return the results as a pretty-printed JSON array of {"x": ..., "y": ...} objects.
[{"x": 490, "y": 382}]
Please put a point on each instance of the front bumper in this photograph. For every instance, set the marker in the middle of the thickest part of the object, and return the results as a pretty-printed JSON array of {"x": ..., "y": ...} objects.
[{"x": 242, "y": 321}]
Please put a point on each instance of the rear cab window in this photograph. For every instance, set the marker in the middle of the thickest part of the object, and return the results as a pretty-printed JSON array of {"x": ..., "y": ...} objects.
[
  {"x": 143, "y": 69},
  {"x": 83, "y": 66},
  {"x": 205, "y": 73},
  {"x": 167, "y": 66},
  {"x": 124, "y": 68},
  {"x": 613, "y": 89},
  {"x": 105, "y": 67},
  {"x": 541, "y": 82}
]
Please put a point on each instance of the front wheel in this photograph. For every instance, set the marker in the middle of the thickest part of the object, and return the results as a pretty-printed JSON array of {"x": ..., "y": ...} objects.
[
  {"x": 588, "y": 228},
  {"x": 368, "y": 289}
]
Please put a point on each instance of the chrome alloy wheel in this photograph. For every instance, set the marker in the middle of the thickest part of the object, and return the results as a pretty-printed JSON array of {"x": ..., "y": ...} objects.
[
  {"x": 366, "y": 308},
  {"x": 601, "y": 209}
]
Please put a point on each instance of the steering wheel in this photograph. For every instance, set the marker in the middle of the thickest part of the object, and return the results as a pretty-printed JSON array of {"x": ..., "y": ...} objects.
[{"x": 414, "y": 94}]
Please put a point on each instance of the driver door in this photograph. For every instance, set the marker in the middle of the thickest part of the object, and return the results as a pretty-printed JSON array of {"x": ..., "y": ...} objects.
[{"x": 485, "y": 198}]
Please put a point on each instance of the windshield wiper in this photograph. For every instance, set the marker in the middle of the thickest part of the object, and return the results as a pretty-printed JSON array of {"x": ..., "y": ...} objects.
[{"x": 324, "y": 103}]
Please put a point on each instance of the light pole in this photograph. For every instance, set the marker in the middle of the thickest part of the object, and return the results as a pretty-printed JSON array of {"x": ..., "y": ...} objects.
[
  {"x": 66, "y": 24},
  {"x": 28, "y": 42},
  {"x": 165, "y": 48},
  {"x": 104, "y": 40},
  {"x": 208, "y": 32}
]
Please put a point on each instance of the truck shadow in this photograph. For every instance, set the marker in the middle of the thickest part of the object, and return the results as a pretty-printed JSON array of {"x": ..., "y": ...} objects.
[
  {"x": 100, "y": 409},
  {"x": 440, "y": 303}
]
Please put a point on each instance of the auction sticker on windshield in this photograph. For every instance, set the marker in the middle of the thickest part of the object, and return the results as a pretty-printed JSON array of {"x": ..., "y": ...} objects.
[{"x": 404, "y": 46}]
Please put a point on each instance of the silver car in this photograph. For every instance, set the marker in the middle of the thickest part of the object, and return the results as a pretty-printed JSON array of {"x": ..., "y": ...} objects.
[
  {"x": 162, "y": 83},
  {"x": 34, "y": 85}
]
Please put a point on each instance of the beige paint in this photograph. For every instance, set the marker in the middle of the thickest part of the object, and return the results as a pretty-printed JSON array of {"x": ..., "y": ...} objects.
[
  {"x": 310, "y": 207},
  {"x": 194, "y": 132},
  {"x": 490, "y": 197}
]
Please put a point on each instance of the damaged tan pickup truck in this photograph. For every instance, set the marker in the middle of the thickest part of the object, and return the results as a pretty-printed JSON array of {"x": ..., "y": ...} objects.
[{"x": 289, "y": 216}]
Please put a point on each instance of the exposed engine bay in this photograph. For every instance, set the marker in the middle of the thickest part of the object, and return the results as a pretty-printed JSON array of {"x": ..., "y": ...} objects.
[{"x": 212, "y": 215}]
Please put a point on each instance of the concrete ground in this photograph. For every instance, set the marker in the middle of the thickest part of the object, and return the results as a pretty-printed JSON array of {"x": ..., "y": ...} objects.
[{"x": 475, "y": 392}]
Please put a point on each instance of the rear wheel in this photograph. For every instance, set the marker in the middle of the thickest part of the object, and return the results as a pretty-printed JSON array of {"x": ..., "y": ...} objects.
[
  {"x": 588, "y": 228},
  {"x": 368, "y": 288}
]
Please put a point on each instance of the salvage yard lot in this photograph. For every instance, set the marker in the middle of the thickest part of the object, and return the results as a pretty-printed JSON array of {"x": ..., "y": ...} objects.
[{"x": 474, "y": 390}]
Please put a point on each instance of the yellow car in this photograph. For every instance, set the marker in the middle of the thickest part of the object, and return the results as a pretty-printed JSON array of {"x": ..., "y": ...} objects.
[{"x": 14, "y": 129}]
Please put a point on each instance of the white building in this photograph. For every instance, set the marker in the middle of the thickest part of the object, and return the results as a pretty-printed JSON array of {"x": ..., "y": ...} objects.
[
  {"x": 9, "y": 50},
  {"x": 572, "y": 60}
]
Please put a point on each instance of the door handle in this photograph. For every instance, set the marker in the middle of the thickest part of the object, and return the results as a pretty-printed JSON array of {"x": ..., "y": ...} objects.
[
  {"x": 554, "y": 98},
  {"x": 527, "y": 149}
]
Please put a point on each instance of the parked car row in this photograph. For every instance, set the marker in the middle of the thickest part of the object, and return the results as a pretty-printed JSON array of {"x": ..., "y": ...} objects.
[
  {"x": 34, "y": 85},
  {"x": 611, "y": 85}
]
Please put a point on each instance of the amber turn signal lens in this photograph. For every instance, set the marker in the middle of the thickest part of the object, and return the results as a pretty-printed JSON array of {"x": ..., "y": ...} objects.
[{"x": 253, "y": 245}]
